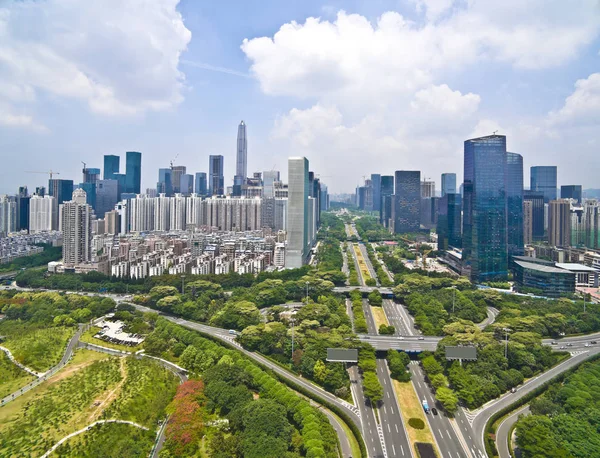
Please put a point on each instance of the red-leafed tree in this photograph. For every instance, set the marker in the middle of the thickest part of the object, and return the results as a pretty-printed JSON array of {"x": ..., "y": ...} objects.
[{"x": 186, "y": 426}]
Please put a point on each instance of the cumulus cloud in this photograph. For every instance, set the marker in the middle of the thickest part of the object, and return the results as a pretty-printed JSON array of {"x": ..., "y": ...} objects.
[
  {"x": 378, "y": 91},
  {"x": 120, "y": 57},
  {"x": 582, "y": 107}
]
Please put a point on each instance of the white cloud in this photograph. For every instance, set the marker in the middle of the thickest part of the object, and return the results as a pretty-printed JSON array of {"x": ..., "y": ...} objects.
[
  {"x": 582, "y": 107},
  {"x": 118, "y": 56}
]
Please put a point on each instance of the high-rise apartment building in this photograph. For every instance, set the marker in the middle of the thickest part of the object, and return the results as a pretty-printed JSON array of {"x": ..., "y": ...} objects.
[
  {"x": 76, "y": 224},
  {"x": 111, "y": 166},
  {"x": 387, "y": 190},
  {"x": 201, "y": 187},
  {"x": 514, "y": 204},
  {"x": 448, "y": 183},
  {"x": 241, "y": 161},
  {"x": 133, "y": 172},
  {"x": 406, "y": 207},
  {"x": 484, "y": 208},
  {"x": 573, "y": 191},
  {"x": 165, "y": 182},
  {"x": 298, "y": 212},
  {"x": 216, "y": 181},
  {"x": 559, "y": 223},
  {"x": 8, "y": 214},
  {"x": 537, "y": 213},
  {"x": 544, "y": 179},
  {"x": 41, "y": 214}
]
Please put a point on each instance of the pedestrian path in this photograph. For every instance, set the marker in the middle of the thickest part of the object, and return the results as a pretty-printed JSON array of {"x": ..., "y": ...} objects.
[{"x": 25, "y": 368}]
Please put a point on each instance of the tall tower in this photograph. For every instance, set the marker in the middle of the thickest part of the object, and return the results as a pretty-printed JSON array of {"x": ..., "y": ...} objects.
[
  {"x": 76, "y": 224},
  {"x": 241, "y": 162},
  {"x": 133, "y": 172},
  {"x": 543, "y": 179},
  {"x": 216, "y": 182},
  {"x": 514, "y": 204},
  {"x": 484, "y": 208},
  {"x": 297, "y": 210},
  {"x": 406, "y": 207}
]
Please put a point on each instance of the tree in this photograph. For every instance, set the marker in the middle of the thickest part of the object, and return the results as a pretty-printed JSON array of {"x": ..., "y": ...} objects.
[
  {"x": 320, "y": 371},
  {"x": 267, "y": 431},
  {"x": 372, "y": 388},
  {"x": 375, "y": 298},
  {"x": 432, "y": 366},
  {"x": 447, "y": 398},
  {"x": 438, "y": 381}
]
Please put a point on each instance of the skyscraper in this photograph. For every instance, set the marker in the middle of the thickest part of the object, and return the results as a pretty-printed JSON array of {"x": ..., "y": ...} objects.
[
  {"x": 537, "y": 213},
  {"x": 543, "y": 179},
  {"x": 76, "y": 224},
  {"x": 111, "y": 166},
  {"x": 201, "y": 187},
  {"x": 407, "y": 201},
  {"x": 186, "y": 184},
  {"x": 23, "y": 209},
  {"x": 165, "y": 182},
  {"x": 269, "y": 179},
  {"x": 107, "y": 196},
  {"x": 176, "y": 173},
  {"x": 41, "y": 214},
  {"x": 484, "y": 208},
  {"x": 427, "y": 189},
  {"x": 514, "y": 204},
  {"x": 297, "y": 220},
  {"x": 8, "y": 214},
  {"x": 241, "y": 162},
  {"x": 559, "y": 223},
  {"x": 527, "y": 222},
  {"x": 62, "y": 190},
  {"x": 133, "y": 172},
  {"x": 216, "y": 181},
  {"x": 448, "y": 223},
  {"x": 387, "y": 190},
  {"x": 572, "y": 191},
  {"x": 448, "y": 183},
  {"x": 376, "y": 185}
]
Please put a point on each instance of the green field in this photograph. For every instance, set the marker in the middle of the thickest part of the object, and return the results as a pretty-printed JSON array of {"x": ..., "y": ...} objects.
[
  {"x": 109, "y": 440},
  {"x": 12, "y": 377},
  {"x": 37, "y": 348}
]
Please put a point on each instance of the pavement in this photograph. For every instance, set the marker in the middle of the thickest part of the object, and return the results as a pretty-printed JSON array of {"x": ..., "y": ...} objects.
[
  {"x": 504, "y": 430},
  {"x": 398, "y": 317}
]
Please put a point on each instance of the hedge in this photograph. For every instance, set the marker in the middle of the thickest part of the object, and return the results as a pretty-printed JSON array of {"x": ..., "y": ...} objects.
[{"x": 416, "y": 423}]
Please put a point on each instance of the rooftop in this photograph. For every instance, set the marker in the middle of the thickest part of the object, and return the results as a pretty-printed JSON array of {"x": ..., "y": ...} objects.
[
  {"x": 541, "y": 268},
  {"x": 575, "y": 267}
]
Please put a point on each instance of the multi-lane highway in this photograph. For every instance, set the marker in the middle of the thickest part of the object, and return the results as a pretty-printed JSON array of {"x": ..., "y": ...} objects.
[
  {"x": 399, "y": 318},
  {"x": 365, "y": 255},
  {"x": 405, "y": 343},
  {"x": 504, "y": 430}
]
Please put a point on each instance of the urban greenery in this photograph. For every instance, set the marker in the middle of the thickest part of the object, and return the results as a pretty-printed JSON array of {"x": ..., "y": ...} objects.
[
  {"x": 50, "y": 253},
  {"x": 12, "y": 377},
  {"x": 367, "y": 363},
  {"x": 398, "y": 363},
  {"x": 360, "y": 322}
]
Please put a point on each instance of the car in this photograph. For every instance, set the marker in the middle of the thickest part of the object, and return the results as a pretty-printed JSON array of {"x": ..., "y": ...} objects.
[
  {"x": 562, "y": 347},
  {"x": 553, "y": 342},
  {"x": 593, "y": 342},
  {"x": 421, "y": 338},
  {"x": 233, "y": 331},
  {"x": 434, "y": 411},
  {"x": 513, "y": 390},
  {"x": 586, "y": 344},
  {"x": 569, "y": 344},
  {"x": 401, "y": 337}
]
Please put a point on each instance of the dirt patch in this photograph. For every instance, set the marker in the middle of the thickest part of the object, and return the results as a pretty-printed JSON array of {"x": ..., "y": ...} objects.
[
  {"x": 69, "y": 371},
  {"x": 104, "y": 401}
]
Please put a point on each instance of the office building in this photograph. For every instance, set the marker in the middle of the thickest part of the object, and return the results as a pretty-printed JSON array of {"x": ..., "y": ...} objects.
[
  {"x": 165, "y": 182},
  {"x": 376, "y": 185},
  {"x": 387, "y": 190},
  {"x": 201, "y": 187},
  {"x": 177, "y": 171},
  {"x": 448, "y": 183},
  {"x": 537, "y": 213},
  {"x": 406, "y": 207},
  {"x": 186, "y": 184},
  {"x": 543, "y": 179},
  {"x": 40, "y": 191},
  {"x": 23, "y": 199},
  {"x": 527, "y": 222},
  {"x": 427, "y": 189},
  {"x": 559, "y": 223},
  {"x": 62, "y": 190},
  {"x": 111, "y": 166},
  {"x": 429, "y": 212},
  {"x": 107, "y": 196},
  {"x": 216, "y": 181},
  {"x": 573, "y": 191},
  {"x": 41, "y": 214},
  {"x": 269, "y": 179},
  {"x": 90, "y": 174},
  {"x": 514, "y": 204},
  {"x": 133, "y": 172},
  {"x": 241, "y": 161},
  {"x": 8, "y": 215},
  {"x": 484, "y": 209},
  {"x": 449, "y": 221},
  {"x": 542, "y": 277},
  {"x": 298, "y": 212},
  {"x": 76, "y": 224}
]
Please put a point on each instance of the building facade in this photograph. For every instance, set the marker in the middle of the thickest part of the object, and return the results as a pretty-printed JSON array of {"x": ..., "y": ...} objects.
[
  {"x": 559, "y": 223},
  {"x": 514, "y": 204},
  {"x": 133, "y": 172},
  {"x": 448, "y": 183},
  {"x": 544, "y": 179},
  {"x": 298, "y": 212},
  {"x": 76, "y": 225},
  {"x": 216, "y": 181},
  {"x": 406, "y": 207}
]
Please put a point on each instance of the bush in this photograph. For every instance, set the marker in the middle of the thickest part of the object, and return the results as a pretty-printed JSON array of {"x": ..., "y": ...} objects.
[
  {"x": 416, "y": 423},
  {"x": 387, "y": 330}
]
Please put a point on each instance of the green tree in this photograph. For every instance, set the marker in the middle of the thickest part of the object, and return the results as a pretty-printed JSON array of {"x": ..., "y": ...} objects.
[
  {"x": 447, "y": 398},
  {"x": 372, "y": 388}
]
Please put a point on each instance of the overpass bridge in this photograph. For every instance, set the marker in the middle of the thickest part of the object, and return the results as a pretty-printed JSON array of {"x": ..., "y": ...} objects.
[
  {"x": 385, "y": 292},
  {"x": 409, "y": 344}
]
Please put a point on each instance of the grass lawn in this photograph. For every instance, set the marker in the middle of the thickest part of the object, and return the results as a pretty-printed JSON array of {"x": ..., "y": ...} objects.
[
  {"x": 88, "y": 337},
  {"x": 379, "y": 315},
  {"x": 12, "y": 377},
  {"x": 109, "y": 440},
  {"x": 349, "y": 434},
  {"x": 411, "y": 408},
  {"x": 36, "y": 348},
  {"x": 32, "y": 423},
  {"x": 361, "y": 263}
]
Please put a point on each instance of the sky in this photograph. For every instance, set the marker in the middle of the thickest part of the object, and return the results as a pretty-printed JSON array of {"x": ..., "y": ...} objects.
[{"x": 356, "y": 86}]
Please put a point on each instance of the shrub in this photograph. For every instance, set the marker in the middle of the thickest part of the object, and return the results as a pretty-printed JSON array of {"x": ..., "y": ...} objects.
[{"x": 416, "y": 423}]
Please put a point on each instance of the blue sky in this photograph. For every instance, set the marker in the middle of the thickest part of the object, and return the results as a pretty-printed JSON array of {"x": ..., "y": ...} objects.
[{"x": 369, "y": 87}]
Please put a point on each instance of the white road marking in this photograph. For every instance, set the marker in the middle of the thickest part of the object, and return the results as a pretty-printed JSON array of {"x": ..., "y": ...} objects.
[
  {"x": 394, "y": 449},
  {"x": 389, "y": 430},
  {"x": 449, "y": 436},
  {"x": 396, "y": 428},
  {"x": 402, "y": 450}
]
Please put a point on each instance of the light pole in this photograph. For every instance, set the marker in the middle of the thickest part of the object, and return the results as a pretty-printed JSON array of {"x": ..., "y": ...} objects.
[
  {"x": 506, "y": 330},
  {"x": 453, "y": 298},
  {"x": 307, "y": 283},
  {"x": 293, "y": 322},
  {"x": 182, "y": 284}
]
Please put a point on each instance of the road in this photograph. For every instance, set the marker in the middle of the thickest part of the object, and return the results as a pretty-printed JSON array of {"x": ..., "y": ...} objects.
[
  {"x": 445, "y": 436},
  {"x": 392, "y": 426},
  {"x": 361, "y": 280},
  {"x": 492, "y": 313},
  {"x": 53, "y": 370},
  {"x": 383, "y": 266},
  {"x": 405, "y": 343},
  {"x": 398, "y": 317},
  {"x": 345, "y": 268},
  {"x": 504, "y": 430},
  {"x": 363, "y": 250}
]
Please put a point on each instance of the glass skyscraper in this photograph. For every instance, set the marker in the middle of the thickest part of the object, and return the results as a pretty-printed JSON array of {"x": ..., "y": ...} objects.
[
  {"x": 241, "y": 161},
  {"x": 572, "y": 191},
  {"x": 133, "y": 172},
  {"x": 537, "y": 213},
  {"x": 165, "y": 184},
  {"x": 514, "y": 204},
  {"x": 407, "y": 201},
  {"x": 484, "y": 203},
  {"x": 543, "y": 179},
  {"x": 448, "y": 223},
  {"x": 216, "y": 182},
  {"x": 111, "y": 166},
  {"x": 201, "y": 188},
  {"x": 376, "y": 185},
  {"x": 61, "y": 190},
  {"x": 448, "y": 183},
  {"x": 387, "y": 190}
]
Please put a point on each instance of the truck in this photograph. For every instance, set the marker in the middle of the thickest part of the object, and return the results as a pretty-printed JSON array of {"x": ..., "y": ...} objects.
[{"x": 425, "y": 406}]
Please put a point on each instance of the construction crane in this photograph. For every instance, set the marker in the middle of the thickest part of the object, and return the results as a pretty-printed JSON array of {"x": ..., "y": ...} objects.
[
  {"x": 49, "y": 172},
  {"x": 173, "y": 160}
]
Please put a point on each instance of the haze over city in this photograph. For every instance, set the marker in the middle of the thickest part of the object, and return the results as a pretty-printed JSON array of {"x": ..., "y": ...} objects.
[{"x": 347, "y": 84}]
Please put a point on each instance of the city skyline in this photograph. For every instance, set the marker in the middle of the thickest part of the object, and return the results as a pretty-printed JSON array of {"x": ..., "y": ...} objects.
[{"x": 458, "y": 84}]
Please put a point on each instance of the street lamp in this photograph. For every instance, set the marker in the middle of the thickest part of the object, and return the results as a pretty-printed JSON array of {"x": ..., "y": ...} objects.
[
  {"x": 453, "y": 298},
  {"x": 293, "y": 322},
  {"x": 307, "y": 283},
  {"x": 182, "y": 284},
  {"x": 506, "y": 330}
]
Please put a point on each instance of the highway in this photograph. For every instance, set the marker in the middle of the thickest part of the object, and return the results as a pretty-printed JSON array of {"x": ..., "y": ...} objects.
[
  {"x": 361, "y": 279},
  {"x": 492, "y": 313},
  {"x": 405, "y": 343},
  {"x": 448, "y": 443},
  {"x": 398, "y": 317},
  {"x": 504, "y": 430},
  {"x": 392, "y": 426},
  {"x": 363, "y": 250}
]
